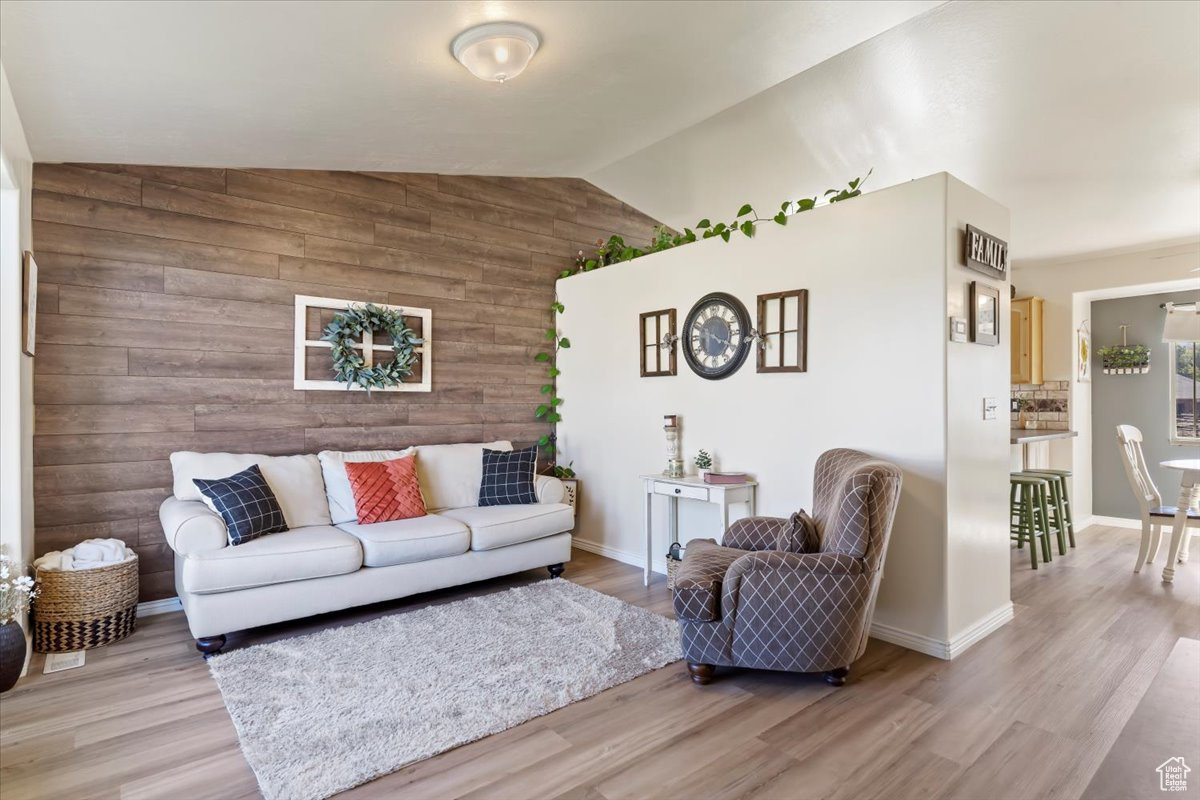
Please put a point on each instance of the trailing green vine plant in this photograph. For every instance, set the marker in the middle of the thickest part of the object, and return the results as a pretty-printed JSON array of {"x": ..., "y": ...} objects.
[{"x": 616, "y": 250}]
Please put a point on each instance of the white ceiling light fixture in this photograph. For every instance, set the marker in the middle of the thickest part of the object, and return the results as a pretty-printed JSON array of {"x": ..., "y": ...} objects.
[{"x": 496, "y": 51}]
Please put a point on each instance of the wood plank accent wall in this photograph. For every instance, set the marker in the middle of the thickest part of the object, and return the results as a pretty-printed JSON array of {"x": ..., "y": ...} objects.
[{"x": 165, "y": 320}]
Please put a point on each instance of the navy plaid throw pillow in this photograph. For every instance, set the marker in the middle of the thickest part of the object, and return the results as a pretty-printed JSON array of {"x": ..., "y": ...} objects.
[
  {"x": 246, "y": 503},
  {"x": 508, "y": 477}
]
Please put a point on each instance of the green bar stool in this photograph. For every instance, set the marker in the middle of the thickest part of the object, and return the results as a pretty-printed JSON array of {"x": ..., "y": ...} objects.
[
  {"x": 1059, "y": 515},
  {"x": 1064, "y": 480},
  {"x": 1029, "y": 514}
]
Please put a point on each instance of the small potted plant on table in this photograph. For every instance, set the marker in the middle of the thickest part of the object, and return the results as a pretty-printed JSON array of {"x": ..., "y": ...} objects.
[{"x": 704, "y": 463}]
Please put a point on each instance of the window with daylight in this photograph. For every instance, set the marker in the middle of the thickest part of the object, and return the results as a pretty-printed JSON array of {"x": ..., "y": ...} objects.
[{"x": 1184, "y": 425}]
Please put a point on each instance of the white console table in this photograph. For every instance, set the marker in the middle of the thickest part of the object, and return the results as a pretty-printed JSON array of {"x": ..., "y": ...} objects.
[{"x": 690, "y": 488}]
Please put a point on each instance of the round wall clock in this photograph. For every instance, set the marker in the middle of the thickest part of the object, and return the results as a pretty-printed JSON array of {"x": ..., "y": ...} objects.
[{"x": 716, "y": 336}]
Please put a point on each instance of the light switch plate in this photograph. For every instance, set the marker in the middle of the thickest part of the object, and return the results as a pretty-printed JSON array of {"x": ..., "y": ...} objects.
[
  {"x": 958, "y": 329},
  {"x": 990, "y": 404}
]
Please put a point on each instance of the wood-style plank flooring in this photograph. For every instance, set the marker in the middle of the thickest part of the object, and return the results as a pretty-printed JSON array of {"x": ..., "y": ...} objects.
[{"x": 1030, "y": 712}]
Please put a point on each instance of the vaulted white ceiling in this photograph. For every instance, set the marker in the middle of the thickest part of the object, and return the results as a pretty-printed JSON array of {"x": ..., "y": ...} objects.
[
  {"x": 1083, "y": 118},
  {"x": 372, "y": 85}
]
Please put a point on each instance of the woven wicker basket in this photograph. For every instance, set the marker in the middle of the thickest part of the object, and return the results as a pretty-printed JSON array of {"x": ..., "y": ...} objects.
[
  {"x": 77, "y": 610},
  {"x": 672, "y": 570}
]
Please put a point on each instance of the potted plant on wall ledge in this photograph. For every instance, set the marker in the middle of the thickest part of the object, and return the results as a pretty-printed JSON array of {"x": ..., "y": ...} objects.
[{"x": 1131, "y": 359}]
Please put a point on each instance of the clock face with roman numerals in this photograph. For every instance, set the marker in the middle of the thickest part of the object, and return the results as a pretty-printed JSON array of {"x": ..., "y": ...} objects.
[{"x": 715, "y": 336}]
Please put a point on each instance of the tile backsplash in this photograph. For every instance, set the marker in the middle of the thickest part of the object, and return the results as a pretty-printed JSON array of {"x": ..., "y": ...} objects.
[{"x": 1050, "y": 409}]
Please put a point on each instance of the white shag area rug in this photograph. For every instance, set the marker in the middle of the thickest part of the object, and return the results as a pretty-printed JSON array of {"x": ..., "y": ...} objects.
[{"x": 320, "y": 713}]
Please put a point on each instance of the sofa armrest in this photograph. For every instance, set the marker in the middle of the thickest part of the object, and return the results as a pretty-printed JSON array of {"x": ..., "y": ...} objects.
[
  {"x": 191, "y": 527},
  {"x": 548, "y": 489}
]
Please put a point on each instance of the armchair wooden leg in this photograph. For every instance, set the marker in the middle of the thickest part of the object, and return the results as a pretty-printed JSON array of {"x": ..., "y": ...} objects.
[
  {"x": 837, "y": 677},
  {"x": 556, "y": 569},
  {"x": 701, "y": 673},
  {"x": 210, "y": 645}
]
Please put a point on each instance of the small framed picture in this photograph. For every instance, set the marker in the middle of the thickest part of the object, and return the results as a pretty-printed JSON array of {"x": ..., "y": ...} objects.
[
  {"x": 985, "y": 314},
  {"x": 29, "y": 282},
  {"x": 657, "y": 346}
]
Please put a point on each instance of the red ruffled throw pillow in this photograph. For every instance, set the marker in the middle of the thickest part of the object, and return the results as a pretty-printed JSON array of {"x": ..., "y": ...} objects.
[{"x": 385, "y": 490}]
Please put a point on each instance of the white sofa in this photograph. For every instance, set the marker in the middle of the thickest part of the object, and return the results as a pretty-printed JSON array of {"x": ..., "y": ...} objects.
[{"x": 326, "y": 561}]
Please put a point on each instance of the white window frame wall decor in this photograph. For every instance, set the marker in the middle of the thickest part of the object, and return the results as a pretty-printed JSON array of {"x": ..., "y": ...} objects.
[{"x": 368, "y": 346}]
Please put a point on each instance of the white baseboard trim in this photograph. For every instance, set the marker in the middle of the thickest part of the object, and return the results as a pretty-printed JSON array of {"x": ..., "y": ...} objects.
[
  {"x": 980, "y": 630},
  {"x": 164, "y": 606},
  {"x": 939, "y": 648},
  {"x": 624, "y": 556},
  {"x": 913, "y": 641},
  {"x": 1112, "y": 522}
]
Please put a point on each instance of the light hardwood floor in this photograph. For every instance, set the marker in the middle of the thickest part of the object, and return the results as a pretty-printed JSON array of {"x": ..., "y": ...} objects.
[{"x": 1030, "y": 712}]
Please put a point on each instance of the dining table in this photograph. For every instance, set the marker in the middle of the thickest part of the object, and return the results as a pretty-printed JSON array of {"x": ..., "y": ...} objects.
[{"x": 1189, "y": 498}]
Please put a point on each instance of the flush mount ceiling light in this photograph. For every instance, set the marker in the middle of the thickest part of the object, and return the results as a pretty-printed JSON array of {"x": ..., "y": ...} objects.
[{"x": 496, "y": 51}]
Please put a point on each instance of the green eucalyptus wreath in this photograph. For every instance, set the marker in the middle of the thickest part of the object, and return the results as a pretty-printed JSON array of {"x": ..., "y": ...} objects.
[{"x": 346, "y": 330}]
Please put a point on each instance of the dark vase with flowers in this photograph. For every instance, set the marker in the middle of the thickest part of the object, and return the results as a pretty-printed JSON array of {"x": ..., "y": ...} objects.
[{"x": 12, "y": 654}]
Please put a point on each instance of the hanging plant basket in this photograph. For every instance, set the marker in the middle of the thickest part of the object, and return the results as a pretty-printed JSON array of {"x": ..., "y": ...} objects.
[{"x": 1131, "y": 359}]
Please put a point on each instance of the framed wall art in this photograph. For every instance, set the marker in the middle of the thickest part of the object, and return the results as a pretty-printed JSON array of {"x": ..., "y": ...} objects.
[
  {"x": 783, "y": 331},
  {"x": 313, "y": 367},
  {"x": 1083, "y": 353},
  {"x": 657, "y": 347},
  {"x": 985, "y": 314},
  {"x": 29, "y": 284}
]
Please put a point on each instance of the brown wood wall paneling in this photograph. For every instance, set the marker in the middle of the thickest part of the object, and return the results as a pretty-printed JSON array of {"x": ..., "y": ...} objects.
[{"x": 165, "y": 320}]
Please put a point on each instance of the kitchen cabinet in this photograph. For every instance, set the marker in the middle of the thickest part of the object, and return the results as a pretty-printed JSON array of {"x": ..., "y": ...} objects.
[{"x": 1026, "y": 340}]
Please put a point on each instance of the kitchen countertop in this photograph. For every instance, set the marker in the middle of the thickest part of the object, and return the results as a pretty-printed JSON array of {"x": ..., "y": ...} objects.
[{"x": 1022, "y": 436}]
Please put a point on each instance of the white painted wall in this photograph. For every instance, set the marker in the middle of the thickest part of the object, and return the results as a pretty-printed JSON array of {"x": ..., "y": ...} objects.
[
  {"x": 1069, "y": 286},
  {"x": 16, "y": 369},
  {"x": 977, "y": 451},
  {"x": 877, "y": 273}
]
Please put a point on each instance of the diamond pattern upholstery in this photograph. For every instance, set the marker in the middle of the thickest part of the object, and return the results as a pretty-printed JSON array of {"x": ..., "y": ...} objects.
[
  {"x": 801, "y": 612},
  {"x": 698, "y": 583},
  {"x": 755, "y": 533}
]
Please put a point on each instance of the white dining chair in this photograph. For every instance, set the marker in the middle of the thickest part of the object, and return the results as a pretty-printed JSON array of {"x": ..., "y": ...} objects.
[{"x": 1154, "y": 514}]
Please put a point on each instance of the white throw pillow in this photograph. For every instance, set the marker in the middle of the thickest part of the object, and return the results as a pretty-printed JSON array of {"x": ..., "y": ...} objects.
[
  {"x": 337, "y": 485},
  {"x": 450, "y": 474},
  {"x": 295, "y": 480}
]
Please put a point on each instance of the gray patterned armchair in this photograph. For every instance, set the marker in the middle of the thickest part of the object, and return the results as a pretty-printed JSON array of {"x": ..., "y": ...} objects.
[{"x": 770, "y": 598}]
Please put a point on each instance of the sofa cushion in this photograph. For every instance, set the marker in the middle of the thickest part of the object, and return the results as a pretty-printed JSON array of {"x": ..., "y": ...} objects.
[
  {"x": 295, "y": 480},
  {"x": 385, "y": 490},
  {"x": 699, "y": 582},
  {"x": 498, "y": 526},
  {"x": 314, "y": 552},
  {"x": 337, "y": 491},
  {"x": 404, "y": 541},
  {"x": 246, "y": 504},
  {"x": 450, "y": 474},
  {"x": 508, "y": 477}
]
